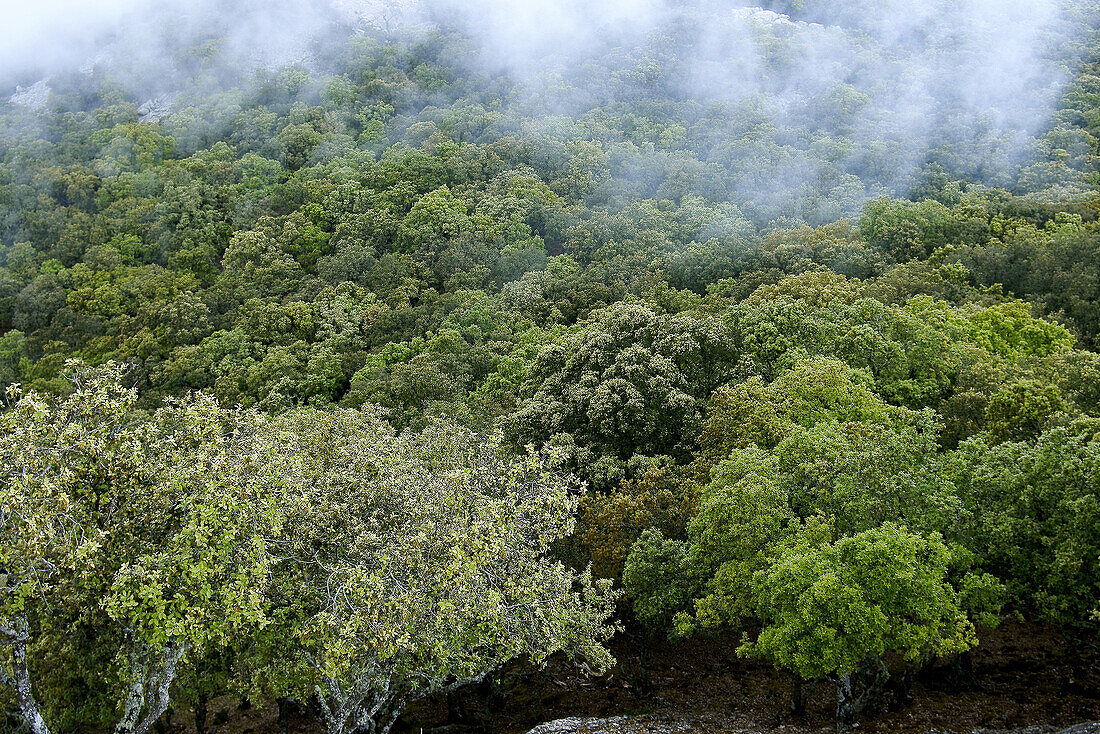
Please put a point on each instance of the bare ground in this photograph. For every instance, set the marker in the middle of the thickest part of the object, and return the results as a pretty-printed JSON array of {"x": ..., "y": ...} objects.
[{"x": 1022, "y": 675}]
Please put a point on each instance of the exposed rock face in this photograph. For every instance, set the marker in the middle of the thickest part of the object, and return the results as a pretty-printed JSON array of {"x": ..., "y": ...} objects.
[
  {"x": 378, "y": 14},
  {"x": 659, "y": 725},
  {"x": 1090, "y": 728},
  {"x": 621, "y": 725},
  {"x": 35, "y": 96},
  {"x": 156, "y": 109}
]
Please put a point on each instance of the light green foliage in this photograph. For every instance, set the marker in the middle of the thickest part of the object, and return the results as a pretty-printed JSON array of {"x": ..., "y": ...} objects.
[
  {"x": 406, "y": 563},
  {"x": 904, "y": 230},
  {"x": 1020, "y": 411},
  {"x": 829, "y": 445},
  {"x": 742, "y": 513},
  {"x": 418, "y": 562},
  {"x": 811, "y": 481},
  {"x": 146, "y": 534},
  {"x": 1009, "y": 330},
  {"x": 438, "y": 233},
  {"x": 829, "y": 606}
]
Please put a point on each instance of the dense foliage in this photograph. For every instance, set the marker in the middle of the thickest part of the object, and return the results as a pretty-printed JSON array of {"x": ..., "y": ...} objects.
[{"x": 382, "y": 313}]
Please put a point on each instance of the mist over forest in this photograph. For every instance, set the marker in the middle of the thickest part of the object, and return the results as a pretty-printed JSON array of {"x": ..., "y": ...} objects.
[
  {"x": 966, "y": 85},
  {"x": 481, "y": 365}
]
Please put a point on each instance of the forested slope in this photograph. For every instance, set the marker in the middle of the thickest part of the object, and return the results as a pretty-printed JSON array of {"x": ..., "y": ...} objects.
[{"x": 812, "y": 330}]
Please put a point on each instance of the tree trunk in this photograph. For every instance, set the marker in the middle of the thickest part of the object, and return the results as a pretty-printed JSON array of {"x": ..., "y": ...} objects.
[
  {"x": 492, "y": 694},
  {"x": 903, "y": 695},
  {"x": 284, "y": 714},
  {"x": 643, "y": 662},
  {"x": 151, "y": 676},
  {"x": 855, "y": 693},
  {"x": 455, "y": 710},
  {"x": 1083, "y": 639},
  {"x": 200, "y": 714},
  {"x": 21, "y": 676},
  {"x": 352, "y": 711},
  {"x": 844, "y": 713},
  {"x": 333, "y": 708},
  {"x": 543, "y": 675},
  {"x": 962, "y": 670},
  {"x": 164, "y": 723},
  {"x": 869, "y": 685},
  {"x": 396, "y": 707},
  {"x": 802, "y": 693}
]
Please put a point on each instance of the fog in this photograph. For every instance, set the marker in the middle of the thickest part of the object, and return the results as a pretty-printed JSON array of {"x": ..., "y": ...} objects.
[
  {"x": 43, "y": 34},
  {"x": 59, "y": 36},
  {"x": 917, "y": 74}
]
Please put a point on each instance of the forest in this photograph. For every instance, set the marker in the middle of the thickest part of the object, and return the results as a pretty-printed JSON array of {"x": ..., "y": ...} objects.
[{"x": 341, "y": 375}]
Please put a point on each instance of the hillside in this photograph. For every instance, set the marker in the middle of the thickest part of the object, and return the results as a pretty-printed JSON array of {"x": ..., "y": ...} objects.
[{"x": 357, "y": 352}]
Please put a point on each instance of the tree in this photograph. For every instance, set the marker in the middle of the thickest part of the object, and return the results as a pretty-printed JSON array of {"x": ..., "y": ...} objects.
[
  {"x": 828, "y": 445},
  {"x": 815, "y": 451},
  {"x": 906, "y": 230},
  {"x": 438, "y": 232},
  {"x": 627, "y": 383},
  {"x": 1034, "y": 520},
  {"x": 419, "y": 564},
  {"x": 653, "y": 577},
  {"x": 610, "y": 523},
  {"x": 1020, "y": 411},
  {"x": 831, "y": 608},
  {"x": 144, "y": 537}
]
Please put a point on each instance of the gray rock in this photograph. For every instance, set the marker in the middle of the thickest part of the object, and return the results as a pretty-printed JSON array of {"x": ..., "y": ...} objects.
[
  {"x": 156, "y": 109},
  {"x": 618, "y": 725},
  {"x": 662, "y": 725},
  {"x": 1088, "y": 728},
  {"x": 379, "y": 14},
  {"x": 34, "y": 97}
]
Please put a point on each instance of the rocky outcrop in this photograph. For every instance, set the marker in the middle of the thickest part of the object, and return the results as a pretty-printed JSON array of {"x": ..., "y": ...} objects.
[
  {"x": 1090, "y": 728},
  {"x": 156, "y": 109},
  {"x": 379, "y": 14},
  {"x": 34, "y": 97},
  {"x": 617, "y": 725},
  {"x": 661, "y": 725}
]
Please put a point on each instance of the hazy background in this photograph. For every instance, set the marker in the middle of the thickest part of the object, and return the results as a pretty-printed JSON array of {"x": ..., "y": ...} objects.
[{"x": 978, "y": 74}]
